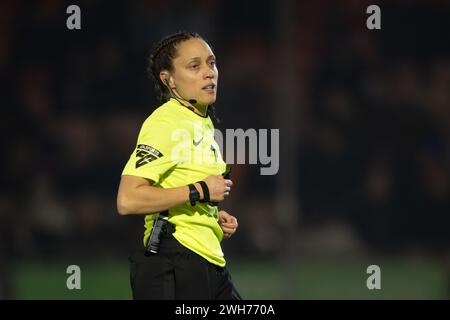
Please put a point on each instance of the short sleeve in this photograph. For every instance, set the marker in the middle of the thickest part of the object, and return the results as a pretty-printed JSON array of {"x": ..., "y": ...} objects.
[{"x": 151, "y": 158}]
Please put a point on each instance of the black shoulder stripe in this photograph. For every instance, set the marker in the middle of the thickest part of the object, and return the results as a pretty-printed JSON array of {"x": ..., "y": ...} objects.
[
  {"x": 144, "y": 158},
  {"x": 155, "y": 151}
]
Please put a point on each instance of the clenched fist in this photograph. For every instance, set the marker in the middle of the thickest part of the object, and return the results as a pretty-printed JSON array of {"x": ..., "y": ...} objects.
[
  {"x": 219, "y": 187},
  {"x": 228, "y": 224}
]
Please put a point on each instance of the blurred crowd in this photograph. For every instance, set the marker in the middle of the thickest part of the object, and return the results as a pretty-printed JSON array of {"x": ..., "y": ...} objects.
[{"x": 374, "y": 146}]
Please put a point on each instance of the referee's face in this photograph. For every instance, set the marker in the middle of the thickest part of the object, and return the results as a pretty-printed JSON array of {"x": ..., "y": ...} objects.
[{"x": 194, "y": 71}]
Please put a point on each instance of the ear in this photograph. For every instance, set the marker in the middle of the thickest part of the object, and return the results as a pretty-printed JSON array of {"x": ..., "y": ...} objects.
[{"x": 166, "y": 79}]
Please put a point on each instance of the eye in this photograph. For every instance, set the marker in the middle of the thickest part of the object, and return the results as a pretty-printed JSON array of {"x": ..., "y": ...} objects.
[
  {"x": 212, "y": 63},
  {"x": 194, "y": 66}
]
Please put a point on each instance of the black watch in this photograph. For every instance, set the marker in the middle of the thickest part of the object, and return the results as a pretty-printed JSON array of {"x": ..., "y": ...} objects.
[{"x": 194, "y": 195}]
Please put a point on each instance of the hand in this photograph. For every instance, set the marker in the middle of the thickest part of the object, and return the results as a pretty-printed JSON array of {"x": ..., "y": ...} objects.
[
  {"x": 218, "y": 186},
  {"x": 228, "y": 224}
]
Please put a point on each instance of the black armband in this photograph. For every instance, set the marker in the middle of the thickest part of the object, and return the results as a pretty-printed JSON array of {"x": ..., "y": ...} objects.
[
  {"x": 205, "y": 191},
  {"x": 194, "y": 195}
]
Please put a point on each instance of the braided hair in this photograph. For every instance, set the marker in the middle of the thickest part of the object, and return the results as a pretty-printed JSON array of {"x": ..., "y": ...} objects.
[{"x": 161, "y": 58}]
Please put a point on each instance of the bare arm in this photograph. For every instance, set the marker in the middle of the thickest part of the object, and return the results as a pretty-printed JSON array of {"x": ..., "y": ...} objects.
[{"x": 136, "y": 195}]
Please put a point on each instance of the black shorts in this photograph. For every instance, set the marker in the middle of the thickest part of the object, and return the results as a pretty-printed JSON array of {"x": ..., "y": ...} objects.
[{"x": 178, "y": 273}]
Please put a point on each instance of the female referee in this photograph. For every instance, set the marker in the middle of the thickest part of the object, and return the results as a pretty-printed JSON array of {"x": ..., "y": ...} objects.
[{"x": 175, "y": 177}]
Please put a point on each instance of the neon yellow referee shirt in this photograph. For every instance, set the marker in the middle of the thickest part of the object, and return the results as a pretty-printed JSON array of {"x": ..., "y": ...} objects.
[{"x": 176, "y": 147}]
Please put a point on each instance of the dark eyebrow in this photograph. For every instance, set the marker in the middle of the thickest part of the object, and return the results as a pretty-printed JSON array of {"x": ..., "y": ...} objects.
[
  {"x": 194, "y": 59},
  {"x": 198, "y": 58}
]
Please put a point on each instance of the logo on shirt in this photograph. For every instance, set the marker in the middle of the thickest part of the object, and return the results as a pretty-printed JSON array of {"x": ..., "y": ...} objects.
[
  {"x": 196, "y": 143},
  {"x": 146, "y": 154}
]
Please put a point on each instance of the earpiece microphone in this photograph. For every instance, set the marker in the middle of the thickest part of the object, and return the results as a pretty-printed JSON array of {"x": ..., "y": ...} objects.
[{"x": 192, "y": 101}]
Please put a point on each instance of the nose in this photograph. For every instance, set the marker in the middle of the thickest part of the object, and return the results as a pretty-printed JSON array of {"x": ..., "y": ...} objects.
[{"x": 210, "y": 73}]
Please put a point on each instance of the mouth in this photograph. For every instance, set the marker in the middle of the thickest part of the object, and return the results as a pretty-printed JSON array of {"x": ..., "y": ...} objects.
[{"x": 210, "y": 88}]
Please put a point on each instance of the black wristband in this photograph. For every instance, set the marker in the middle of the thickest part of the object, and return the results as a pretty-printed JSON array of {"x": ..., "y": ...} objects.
[
  {"x": 205, "y": 191},
  {"x": 194, "y": 195}
]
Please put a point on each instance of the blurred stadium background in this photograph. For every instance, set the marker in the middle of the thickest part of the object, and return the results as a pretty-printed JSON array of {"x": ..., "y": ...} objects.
[{"x": 364, "y": 119}]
